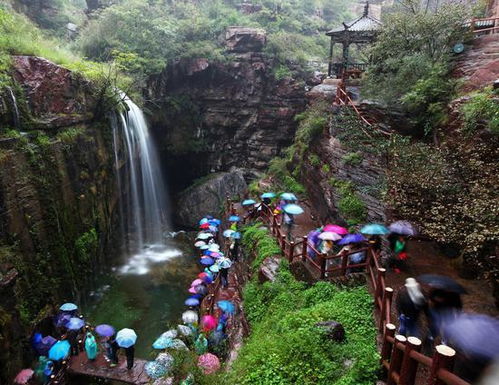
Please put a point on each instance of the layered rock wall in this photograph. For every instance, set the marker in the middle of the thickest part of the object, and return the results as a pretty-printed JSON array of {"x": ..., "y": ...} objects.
[{"x": 212, "y": 116}]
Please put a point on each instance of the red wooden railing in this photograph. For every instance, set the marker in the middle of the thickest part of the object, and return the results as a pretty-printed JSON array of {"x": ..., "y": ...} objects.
[{"x": 400, "y": 356}]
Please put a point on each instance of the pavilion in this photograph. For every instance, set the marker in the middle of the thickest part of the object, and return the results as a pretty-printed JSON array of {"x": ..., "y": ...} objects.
[{"x": 362, "y": 30}]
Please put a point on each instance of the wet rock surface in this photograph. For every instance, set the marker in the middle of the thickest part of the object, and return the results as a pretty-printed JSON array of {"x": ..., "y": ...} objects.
[
  {"x": 208, "y": 196},
  {"x": 55, "y": 96},
  {"x": 333, "y": 330}
]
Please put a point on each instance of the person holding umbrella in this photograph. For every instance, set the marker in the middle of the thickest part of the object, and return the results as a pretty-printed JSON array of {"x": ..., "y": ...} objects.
[
  {"x": 90, "y": 347},
  {"x": 409, "y": 302},
  {"x": 126, "y": 339}
]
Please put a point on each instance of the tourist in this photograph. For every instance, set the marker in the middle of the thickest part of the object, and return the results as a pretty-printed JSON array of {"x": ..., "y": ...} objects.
[
  {"x": 224, "y": 276},
  {"x": 114, "y": 350},
  {"x": 289, "y": 220},
  {"x": 130, "y": 353},
  {"x": 90, "y": 347},
  {"x": 72, "y": 337},
  {"x": 397, "y": 262},
  {"x": 106, "y": 345},
  {"x": 48, "y": 371},
  {"x": 356, "y": 258},
  {"x": 442, "y": 304},
  {"x": 234, "y": 249},
  {"x": 409, "y": 302}
]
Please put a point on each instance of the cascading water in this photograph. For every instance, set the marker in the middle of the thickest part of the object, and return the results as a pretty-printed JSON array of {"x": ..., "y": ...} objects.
[{"x": 145, "y": 212}]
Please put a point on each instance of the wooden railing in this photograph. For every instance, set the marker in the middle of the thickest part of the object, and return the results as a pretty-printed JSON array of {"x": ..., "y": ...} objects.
[
  {"x": 484, "y": 26},
  {"x": 400, "y": 356}
]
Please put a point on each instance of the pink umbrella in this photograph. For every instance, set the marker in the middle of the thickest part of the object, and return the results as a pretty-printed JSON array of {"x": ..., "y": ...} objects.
[
  {"x": 25, "y": 375},
  {"x": 335, "y": 229},
  {"x": 196, "y": 282},
  {"x": 192, "y": 290},
  {"x": 208, "y": 322},
  {"x": 209, "y": 363}
]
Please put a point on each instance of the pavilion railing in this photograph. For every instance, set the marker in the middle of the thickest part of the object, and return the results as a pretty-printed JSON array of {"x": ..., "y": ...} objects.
[
  {"x": 400, "y": 356},
  {"x": 484, "y": 26}
]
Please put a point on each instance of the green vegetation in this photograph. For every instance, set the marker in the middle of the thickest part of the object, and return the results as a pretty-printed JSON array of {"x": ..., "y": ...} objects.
[
  {"x": 325, "y": 168},
  {"x": 314, "y": 160},
  {"x": 411, "y": 60},
  {"x": 350, "y": 206},
  {"x": 352, "y": 158},
  {"x": 279, "y": 171},
  {"x": 481, "y": 111},
  {"x": 311, "y": 124},
  {"x": 144, "y": 36},
  {"x": 258, "y": 239},
  {"x": 283, "y": 315}
]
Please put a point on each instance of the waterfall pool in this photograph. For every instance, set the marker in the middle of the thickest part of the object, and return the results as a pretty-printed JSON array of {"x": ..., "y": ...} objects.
[{"x": 147, "y": 293}]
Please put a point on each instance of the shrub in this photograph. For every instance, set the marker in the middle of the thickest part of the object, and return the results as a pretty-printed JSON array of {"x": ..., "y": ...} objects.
[
  {"x": 481, "y": 110},
  {"x": 325, "y": 168},
  {"x": 314, "y": 160},
  {"x": 283, "y": 315}
]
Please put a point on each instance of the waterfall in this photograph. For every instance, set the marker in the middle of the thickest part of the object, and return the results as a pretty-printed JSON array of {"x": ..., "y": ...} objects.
[
  {"x": 15, "y": 109},
  {"x": 145, "y": 212}
]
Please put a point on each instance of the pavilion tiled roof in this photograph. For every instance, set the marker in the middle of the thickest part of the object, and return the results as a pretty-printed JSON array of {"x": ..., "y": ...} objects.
[{"x": 365, "y": 23}]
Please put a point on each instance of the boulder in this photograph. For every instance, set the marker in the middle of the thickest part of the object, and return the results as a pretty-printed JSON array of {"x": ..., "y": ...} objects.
[
  {"x": 208, "y": 196},
  {"x": 244, "y": 39},
  {"x": 268, "y": 269},
  {"x": 334, "y": 330}
]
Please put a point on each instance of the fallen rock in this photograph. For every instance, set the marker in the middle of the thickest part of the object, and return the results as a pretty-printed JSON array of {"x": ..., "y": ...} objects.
[
  {"x": 208, "y": 196},
  {"x": 334, "y": 330},
  {"x": 268, "y": 269}
]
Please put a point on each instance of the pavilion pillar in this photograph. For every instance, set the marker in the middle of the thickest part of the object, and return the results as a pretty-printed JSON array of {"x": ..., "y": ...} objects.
[
  {"x": 330, "y": 66},
  {"x": 346, "y": 46}
]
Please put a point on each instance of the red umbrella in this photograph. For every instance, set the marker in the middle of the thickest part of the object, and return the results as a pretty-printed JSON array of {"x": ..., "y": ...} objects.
[
  {"x": 208, "y": 322},
  {"x": 24, "y": 376},
  {"x": 335, "y": 229},
  {"x": 202, "y": 275},
  {"x": 205, "y": 226},
  {"x": 209, "y": 363}
]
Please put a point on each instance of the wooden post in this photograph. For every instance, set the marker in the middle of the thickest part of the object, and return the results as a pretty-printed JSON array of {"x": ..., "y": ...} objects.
[
  {"x": 323, "y": 266},
  {"x": 387, "y": 296},
  {"x": 409, "y": 366},
  {"x": 442, "y": 359},
  {"x": 291, "y": 251},
  {"x": 387, "y": 346},
  {"x": 304, "y": 249},
  {"x": 283, "y": 243},
  {"x": 379, "y": 287},
  {"x": 344, "y": 263},
  {"x": 273, "y": 226},
  {"x": 396, "y": 360}
]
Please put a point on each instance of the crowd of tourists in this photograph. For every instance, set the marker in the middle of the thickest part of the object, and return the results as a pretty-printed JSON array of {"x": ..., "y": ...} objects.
[{"x": 204, "y": 333}]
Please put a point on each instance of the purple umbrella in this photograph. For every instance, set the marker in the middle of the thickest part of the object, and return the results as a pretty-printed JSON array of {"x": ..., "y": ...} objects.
[
  {"x": 474, "y": 334},
  {"x": 105, "y": 330},
  {"x": 201, "y": 289},
  {"x": 352, "y": 238},
  {"x": 75, "y": 323},
  {"x": 403, "y": 228},
  {"x": 62, "y": 319},
  {"x": 44, "y": 345}
]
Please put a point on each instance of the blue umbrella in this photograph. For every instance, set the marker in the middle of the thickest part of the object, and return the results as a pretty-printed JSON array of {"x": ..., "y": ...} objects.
[
  {"x": 293, "y": 209},
  {"x": 59, "y": 350},
  {"x": 162, "y": 343},
  {"x": 155, "y": 370},
  {"x": 234, "y": 218},
  {"x": 207, "y": 261},
  {"x": 224, "y": 263},
  {"x": 105, "y": 330},
  {"x": 374, "y": 229},
  {"x": 75, "y": 323},
  {"x": 352, "y": 238},
  {"x": 289, "y": 196},
  {"x": 191, "y": 302},
  {"x": 226, "y": 306},
  {"x": 45, "y": 344},
  {"x": 215, "y": 222},
  {"x": 228, "y": 233},
  {"x": 68, "y": 306},
  {"x": 203, "y": 221},
  {"x": 267, "y": 195},
  {"x": 236, "y": 235},
  {"x": 248, "y": 202},
  {"x": 126, "y": 338}
]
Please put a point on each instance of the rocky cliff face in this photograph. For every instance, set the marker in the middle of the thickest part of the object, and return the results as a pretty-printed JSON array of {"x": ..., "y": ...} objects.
[
  {"x": 211, "y": 116},
  {"x": 57, "y": 196}
]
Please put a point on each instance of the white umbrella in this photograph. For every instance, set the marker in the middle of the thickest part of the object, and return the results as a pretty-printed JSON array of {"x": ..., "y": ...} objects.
[
  {"x": 190, "y": 317},
  {"x": 214, "y": 247},
  {"x": 224, "y": 262},
  {"x": 329, "y": 236},
  {"x": 199, "y": 244}
]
